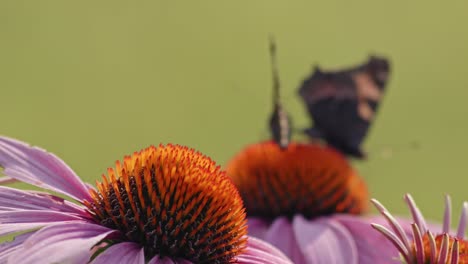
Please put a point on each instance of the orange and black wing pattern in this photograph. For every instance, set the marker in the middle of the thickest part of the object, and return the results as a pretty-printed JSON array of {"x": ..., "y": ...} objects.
[{"x": 343, "y": 103}]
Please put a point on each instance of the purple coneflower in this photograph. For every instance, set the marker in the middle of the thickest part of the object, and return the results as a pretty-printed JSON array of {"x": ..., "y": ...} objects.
[
  {"x": 307, "y": 200},
  {"x": 427, "y": 247},
  {"x": 166, "y": 204}
]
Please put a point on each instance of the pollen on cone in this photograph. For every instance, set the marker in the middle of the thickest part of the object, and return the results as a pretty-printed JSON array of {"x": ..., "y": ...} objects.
[
  {"x": 308, "y": 179},
  {"x": 175, "y": 202}
]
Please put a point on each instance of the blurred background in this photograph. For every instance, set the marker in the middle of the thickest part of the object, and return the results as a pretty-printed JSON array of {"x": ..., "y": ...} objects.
[{"x": 94, "y": 80}]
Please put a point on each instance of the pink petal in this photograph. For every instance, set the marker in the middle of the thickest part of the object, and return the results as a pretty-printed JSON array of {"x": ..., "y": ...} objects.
[
  {"x": 7, "y": 249},
  {"x": 40, "y": 168},
  {"x": 257, "y": 227},
  {"x": 416, "y": 213},
  {"x": 14, "y": 199},
  {"x": 372, "y": 246},
  {"x": 281, "y": 235},
  {"x": 260, "y": 252},
  {"x": 325, "y": 241},
  {"x": 125, "y": 252},
  {"x": 16, "y": 221},
  {"x": 6, "y": 229},
  {"x": 32, "y": 216},
  {"x": 61, "y": 243}
]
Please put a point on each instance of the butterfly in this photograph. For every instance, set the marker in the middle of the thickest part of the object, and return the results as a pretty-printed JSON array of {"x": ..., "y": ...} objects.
[{"x": 343, "y": 103}]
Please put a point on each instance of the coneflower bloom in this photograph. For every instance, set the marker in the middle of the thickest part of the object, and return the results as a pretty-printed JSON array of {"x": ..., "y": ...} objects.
[
  {"x": 425, "y": 246},
  {"x": 165, "y": 204},
  {"x": 306, "y": 200}
]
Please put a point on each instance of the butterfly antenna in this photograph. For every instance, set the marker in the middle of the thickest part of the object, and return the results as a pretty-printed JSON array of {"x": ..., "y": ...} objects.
[
  {"x": 274, "y": 70},
  {"x": 280, "y": 124}
]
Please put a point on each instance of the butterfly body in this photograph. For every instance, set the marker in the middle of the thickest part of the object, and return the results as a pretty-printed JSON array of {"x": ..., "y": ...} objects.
[
  {"x": 280, "y": 121},
  {"x": 280, "y": 126},
  {"x": 343, "y": 103}
]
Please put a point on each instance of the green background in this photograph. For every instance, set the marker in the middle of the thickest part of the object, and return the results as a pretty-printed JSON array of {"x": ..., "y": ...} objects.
[{"x": 94, "y": 80}]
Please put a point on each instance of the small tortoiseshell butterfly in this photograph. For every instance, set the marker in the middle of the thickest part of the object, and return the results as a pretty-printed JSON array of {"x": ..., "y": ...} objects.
[{"x": 343, "y": 103}]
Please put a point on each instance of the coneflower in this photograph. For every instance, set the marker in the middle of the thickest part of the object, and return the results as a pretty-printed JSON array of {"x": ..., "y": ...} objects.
[
  {"x": 165, "y": 204},
  {"x": 308, "y": 201},
  {"x": 426, "y": 246}
]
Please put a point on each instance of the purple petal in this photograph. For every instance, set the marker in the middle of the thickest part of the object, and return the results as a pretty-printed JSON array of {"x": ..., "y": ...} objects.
[
  {"x": 15, "y": 221},
  {"x": 432, "y": 246},
  {"x": 447, "y": 215},
  {"x": 325, "y": 241},
  {"x": 14, "y": 199},
  {"x": 395, "y": 225},
  {"x": 9, "y": 248},
  {"x": 40, "y": 168},
  {"x": 395, "y": 240},
  {"x": 372, "y": 246},
  {"x": 6, "y": 229},
  {"x": 455, "y": 252},
  {"x": 61, "y": 243},
  {"x": 281, "y": 235},
  {"x": 444, "y": 249},
  {"x": 419, "y": 244},
  {"x": 257, "y": 252},
  {"x": 125, "y": 252},
  {"x": 462, "y": 223},
  {"x": 416, "y": 213},
  {"x": 257, "y": 227},
  {"x": 260, "y": 252}
]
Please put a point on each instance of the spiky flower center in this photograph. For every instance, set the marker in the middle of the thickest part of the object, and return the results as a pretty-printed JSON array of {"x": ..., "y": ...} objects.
[
  {"x": 174, "y": 202},
  {"x": 306, "y": 179}
]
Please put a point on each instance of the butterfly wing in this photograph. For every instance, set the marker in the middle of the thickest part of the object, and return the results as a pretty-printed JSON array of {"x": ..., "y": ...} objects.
[{"x": 343, "y": 103}]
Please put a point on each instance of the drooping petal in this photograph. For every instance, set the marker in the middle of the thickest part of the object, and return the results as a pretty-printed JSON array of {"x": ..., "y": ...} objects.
[
  {"x": 325, "y": 241},
  {"x": 125, "y": 252},
  {"x": 260, "y": 252},
  {"x": 40, "y": 168},
  {"x": 61, "y": 243}
]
